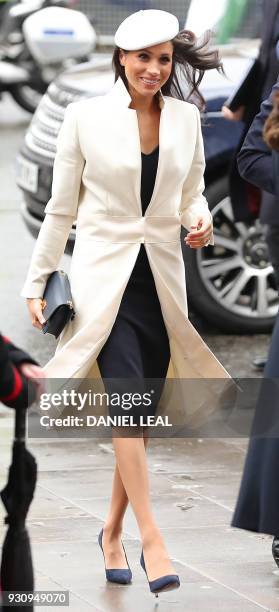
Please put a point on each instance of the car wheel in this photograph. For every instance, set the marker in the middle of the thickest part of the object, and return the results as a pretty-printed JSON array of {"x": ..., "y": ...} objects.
[
  {"x": 27, "y": 97},
  {"x": 232, "y": 284}
]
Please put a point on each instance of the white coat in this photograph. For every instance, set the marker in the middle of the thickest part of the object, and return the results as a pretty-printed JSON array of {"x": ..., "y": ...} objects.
[{"x": 96, "y": 181}]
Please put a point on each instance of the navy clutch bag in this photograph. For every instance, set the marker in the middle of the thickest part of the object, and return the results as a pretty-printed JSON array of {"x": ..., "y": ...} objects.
[{"x": 58, "y": 305}]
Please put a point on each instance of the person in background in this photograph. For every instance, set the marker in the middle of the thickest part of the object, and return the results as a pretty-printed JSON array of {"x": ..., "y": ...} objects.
[
  {"x": 17, "y": 371},
  {"x": 257, "y": 507},
  {"x": 243, "y": 107}
]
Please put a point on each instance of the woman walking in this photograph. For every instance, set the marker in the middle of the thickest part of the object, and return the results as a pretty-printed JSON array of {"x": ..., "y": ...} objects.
[{"x": 129, "y": 168}]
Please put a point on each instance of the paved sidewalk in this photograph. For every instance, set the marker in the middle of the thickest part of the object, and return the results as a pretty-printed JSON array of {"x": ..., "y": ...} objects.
[{"x": 194, "y": 484}]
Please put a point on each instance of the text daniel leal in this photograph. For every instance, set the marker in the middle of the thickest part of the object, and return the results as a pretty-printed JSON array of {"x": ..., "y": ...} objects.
[{"x": 93, "y": 421}]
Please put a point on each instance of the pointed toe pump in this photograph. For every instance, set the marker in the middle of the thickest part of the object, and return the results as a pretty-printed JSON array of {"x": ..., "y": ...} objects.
[
  {"x": 121, "y": 576},
  {"x": 164, "y": 583}
]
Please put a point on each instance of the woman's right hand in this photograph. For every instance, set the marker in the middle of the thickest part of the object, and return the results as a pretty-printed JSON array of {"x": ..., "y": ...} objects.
[{"x": 35, "y": 307}]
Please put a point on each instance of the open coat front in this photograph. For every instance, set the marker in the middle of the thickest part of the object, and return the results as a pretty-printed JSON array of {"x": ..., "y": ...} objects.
[{"x": 96, "y": 181}]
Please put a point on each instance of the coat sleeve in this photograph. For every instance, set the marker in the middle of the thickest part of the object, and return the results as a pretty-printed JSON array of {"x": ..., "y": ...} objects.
[
  {"x": 15, "y": 390},
  {"x": 61, "y": 209},
  {"x": 193, "y": 202},
  {"x": 255, "y": 159}
]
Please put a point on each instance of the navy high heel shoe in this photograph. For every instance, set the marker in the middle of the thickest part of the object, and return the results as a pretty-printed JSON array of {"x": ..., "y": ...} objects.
[
  {"x": 164, "y": 583},
  {"x": 122, "y": 576}
]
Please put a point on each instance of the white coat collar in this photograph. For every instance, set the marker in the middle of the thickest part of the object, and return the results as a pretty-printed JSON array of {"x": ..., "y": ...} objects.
[
  {"x": 120, "y": 92},
  {"x": 120, "y": 97}
]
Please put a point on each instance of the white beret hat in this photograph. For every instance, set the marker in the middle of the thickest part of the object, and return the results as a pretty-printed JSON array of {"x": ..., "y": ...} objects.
[{"x": 145, "y": 28}]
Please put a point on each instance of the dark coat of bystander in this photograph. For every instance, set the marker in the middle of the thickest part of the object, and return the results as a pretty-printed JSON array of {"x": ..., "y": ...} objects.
[{"x": 257, "y": 507}]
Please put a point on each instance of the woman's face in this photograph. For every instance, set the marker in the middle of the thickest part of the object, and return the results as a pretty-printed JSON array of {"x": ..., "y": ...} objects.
[{"x": 147, "y": 70}]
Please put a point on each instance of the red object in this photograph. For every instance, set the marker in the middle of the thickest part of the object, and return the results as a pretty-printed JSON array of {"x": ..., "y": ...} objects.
[{"x": 16, "y": 390}]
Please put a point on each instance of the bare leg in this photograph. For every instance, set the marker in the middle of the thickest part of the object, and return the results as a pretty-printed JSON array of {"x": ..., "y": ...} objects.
[
  {"x": 132, "y": 465},
  {"x": 111, "y": 541}
]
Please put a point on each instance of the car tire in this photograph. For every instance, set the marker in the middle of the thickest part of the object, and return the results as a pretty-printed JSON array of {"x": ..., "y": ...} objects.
[
  {"x": 26, "y": 97},
  {"x": 200, "y": 295}
]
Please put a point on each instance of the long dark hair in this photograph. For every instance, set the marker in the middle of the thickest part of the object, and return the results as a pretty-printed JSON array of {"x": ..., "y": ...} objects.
[{"x": 192, "y": 56}]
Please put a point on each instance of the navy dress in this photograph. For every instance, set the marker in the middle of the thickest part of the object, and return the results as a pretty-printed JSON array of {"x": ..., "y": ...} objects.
[{"x": 138, "y": 345}]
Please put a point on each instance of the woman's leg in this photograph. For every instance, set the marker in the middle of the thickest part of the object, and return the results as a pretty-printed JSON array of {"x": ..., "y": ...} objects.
[
  {"x": 118, "y": 360},
  {"x": 131, "y": 461},
  {"x": 143, "y": 357},
  {"x": 130, "y": 452},
  {"x": 113, "y": 548}
]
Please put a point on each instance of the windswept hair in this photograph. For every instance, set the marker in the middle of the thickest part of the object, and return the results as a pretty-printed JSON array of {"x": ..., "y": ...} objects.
[{"x": 192, "y": 56}]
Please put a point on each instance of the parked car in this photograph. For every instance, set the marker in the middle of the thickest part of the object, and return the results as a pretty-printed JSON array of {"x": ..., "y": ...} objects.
[{"x": 230, "y": 284}]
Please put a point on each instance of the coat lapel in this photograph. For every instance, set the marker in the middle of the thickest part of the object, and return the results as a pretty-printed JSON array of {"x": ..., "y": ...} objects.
[{"x": 121, "y": 97}]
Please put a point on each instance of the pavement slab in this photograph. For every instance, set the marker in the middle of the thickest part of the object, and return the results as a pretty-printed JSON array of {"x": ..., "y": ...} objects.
[{"x": 193, "y": 489}]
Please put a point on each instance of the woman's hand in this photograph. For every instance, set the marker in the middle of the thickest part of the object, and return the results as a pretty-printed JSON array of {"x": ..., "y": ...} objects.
[
  {"x": 200, "y": 234},
  {"x": 36, "y": 374},
  {"x": 35, "y": 307},
  {"x": 233, "y": 115}
]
